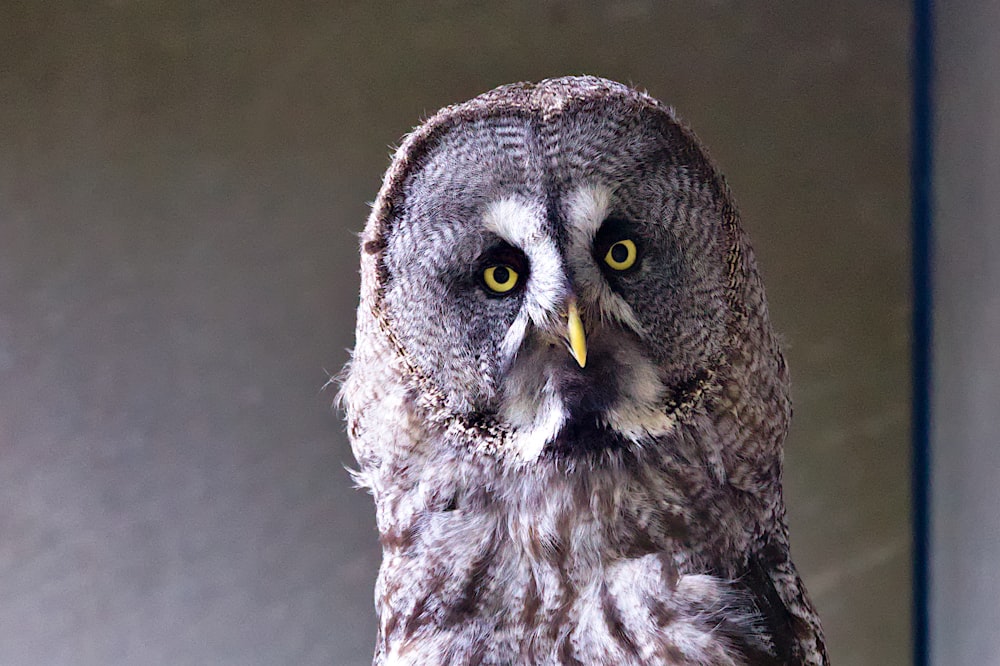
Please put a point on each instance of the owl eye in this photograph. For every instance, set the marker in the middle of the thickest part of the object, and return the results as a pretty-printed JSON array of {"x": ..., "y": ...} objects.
[
  {"x": 621, "y": 255},
  {"x": 617, "y": 247},
  {"x": 500, "y": 279}
]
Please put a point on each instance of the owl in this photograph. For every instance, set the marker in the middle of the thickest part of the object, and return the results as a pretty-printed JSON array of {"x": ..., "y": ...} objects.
[{"x": 566, "y": 397}]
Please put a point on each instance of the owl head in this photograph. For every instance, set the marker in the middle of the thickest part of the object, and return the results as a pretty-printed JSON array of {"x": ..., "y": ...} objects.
[{"x": 556, "y": 271}]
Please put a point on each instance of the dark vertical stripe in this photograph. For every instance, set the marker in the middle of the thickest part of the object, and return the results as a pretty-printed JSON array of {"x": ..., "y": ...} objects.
[
  {"x": 613, "y": 619},
  {"x": 922, "y": 199},
  {"x": 476, "y": 583},
  {"x": 565, "y": 653},
  {"x": 532, "y": 602}
]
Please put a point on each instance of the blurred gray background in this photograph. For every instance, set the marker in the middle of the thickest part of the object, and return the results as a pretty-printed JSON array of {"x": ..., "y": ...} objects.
[{"x": 180, "y": 188}]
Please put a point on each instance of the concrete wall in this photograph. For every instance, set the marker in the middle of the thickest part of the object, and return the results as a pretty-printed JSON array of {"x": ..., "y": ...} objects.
[{"x": 965, "y": 545}]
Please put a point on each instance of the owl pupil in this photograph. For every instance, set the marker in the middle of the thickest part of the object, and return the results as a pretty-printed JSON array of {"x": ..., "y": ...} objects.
[
  {"x": 619, "y": 253},
  {"x": 501, "y": 274}
]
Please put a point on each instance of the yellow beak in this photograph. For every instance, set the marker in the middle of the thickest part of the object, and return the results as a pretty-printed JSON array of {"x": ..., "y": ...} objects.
[{"x": 577, "y": 337}]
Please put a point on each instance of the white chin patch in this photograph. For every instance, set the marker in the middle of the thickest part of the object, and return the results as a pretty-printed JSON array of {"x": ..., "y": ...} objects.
[
  {"x": 638, "y": 424},
  {"x": 638, "y": 413},
  {"x": 536, "y": 413},
  {"x": 536, "y": 417}
]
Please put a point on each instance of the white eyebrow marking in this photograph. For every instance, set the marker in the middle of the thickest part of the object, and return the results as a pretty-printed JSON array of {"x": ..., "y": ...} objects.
[
  {"x": 517, "y": 222},
  {"x": 586, "y": 209},
  {"x": 536, "y": 413},
  {"x": 522, "y": 224}
]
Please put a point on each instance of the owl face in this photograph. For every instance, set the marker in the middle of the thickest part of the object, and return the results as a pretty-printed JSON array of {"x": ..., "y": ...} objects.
[{"x": 565, "y": 277}]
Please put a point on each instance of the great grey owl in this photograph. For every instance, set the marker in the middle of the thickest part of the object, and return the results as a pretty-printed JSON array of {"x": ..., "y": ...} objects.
[{"x": 566, "y": 396}]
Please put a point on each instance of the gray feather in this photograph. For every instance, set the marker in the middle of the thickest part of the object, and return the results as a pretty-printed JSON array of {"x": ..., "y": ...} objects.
[{"x": 533, "y": 511}]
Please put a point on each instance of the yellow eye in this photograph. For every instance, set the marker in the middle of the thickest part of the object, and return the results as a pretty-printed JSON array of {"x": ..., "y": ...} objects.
[
  {"x": 500, "y": 279},
  {"x": 622, "y": 255}
]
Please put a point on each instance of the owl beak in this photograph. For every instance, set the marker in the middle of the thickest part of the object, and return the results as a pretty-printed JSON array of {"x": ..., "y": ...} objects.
[{"x": 576, "y": 337}]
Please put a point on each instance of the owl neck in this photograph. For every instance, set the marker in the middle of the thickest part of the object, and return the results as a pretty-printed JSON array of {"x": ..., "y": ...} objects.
[
  {"x": 471, "y": 545},
  {"x": 465, "y": 549}
]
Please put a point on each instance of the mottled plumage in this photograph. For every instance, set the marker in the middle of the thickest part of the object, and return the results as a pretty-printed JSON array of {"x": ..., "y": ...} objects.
[{"x": 545, "y": 499}]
